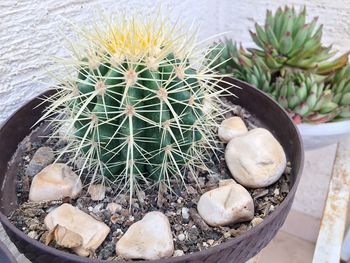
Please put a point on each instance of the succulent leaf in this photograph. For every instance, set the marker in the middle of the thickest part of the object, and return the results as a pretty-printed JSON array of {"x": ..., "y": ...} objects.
[{"x": 291, "y": 64}]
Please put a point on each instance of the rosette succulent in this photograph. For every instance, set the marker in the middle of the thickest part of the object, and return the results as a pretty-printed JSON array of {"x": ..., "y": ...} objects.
[
  {"x": 287, "y": 40},
  {"x": 305, "y": 98},
  {"x": 291, "y": 64},
  {"x": 229, "y": 59},
  {"x": 339, "y": 84}
]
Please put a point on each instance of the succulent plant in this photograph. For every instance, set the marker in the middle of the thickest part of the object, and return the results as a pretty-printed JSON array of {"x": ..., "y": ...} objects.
[
  {"x": 305, "y": 98},
  {"x": 291, "y": 65},
  {"x": 339, "y": 84},
  {"x": 142, "y": 106},
  {"x": 286, "y": 40},
  {"x": 229, "y": 59},
  {"x": 310, "y": 98}
]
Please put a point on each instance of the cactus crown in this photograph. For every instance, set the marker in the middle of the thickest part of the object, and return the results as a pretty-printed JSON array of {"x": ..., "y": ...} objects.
[{"x": 143, "y": 105}]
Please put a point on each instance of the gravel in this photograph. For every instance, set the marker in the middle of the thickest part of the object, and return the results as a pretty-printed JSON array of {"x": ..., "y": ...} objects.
[{"x": 190, "y": 232}]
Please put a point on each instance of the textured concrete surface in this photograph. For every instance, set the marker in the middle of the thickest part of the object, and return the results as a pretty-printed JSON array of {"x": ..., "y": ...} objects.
[
  {"x": 29, "y": 32},
  {"x": 313, "y": 188},
  {"x": 287, "y": 248}
]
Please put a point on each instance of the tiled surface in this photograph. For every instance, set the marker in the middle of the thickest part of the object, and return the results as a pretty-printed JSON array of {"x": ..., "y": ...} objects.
[
  {"x": 313, "y": 187},
  {"x": 287, "y": 248},
  {"x": 302, "y": 225}
]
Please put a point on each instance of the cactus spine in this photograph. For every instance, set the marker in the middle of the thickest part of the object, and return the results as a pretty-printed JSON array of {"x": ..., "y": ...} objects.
[{"x": 139, "y": 108}]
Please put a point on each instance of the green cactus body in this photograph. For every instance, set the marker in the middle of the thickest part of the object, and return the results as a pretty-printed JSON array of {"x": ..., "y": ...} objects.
[
  {"x": 138, "y": 108},
  {"x": 140, "y": 128}
]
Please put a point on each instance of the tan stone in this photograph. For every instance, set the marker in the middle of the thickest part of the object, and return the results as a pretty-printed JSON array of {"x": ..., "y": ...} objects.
[
  {"x": 72, "y": 220},
  {"x": 255, "y": 159},
  {"x": 226, "y": 205},
  {"x": 64, "y": 237},
  {"x": 231, "y": 128},
  {"x": 55, "y": 182},
  {"x": 97, "y": 192},
  {"x": 149, "y": 238},
  {"x": 114, "y": 208}
]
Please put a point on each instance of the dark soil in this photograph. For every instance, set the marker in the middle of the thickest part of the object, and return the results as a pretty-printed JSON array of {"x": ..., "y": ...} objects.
[{"x": 190, "y": 232}]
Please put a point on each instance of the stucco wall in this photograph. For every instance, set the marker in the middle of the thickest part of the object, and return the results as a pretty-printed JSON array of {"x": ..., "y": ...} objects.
[{"x": 28, "y": 32}]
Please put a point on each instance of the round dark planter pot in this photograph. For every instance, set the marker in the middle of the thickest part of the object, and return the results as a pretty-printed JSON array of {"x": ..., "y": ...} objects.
[{"x": 238, "y": 250}]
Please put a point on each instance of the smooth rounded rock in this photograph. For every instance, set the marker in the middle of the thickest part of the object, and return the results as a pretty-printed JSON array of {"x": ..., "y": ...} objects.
[
  {"x": 77, "y": 223},
  {"x": 226, "y": 205},
  {"x": 42, "y": 157},
  {"x": 231, "y": 128},
  {"x": 149, "y": 238},
  {"x": 55, "y": 182},
  {"x": 255, "y": 159}
]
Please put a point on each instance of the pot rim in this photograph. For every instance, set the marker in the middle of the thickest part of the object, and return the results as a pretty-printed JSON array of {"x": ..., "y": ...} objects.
[
  {"x": 325, "y": 129},
  {"x": 212, "y": 250}
]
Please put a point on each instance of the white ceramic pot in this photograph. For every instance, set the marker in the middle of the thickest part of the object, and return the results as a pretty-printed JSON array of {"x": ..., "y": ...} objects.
[{"x": 319, "y": 135}]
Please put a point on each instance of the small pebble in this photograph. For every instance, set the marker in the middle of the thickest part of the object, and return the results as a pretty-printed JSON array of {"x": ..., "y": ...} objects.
[
  {"x": 181, "y": 237},
  {"x": 227, "y": 234},
  {"x": 97, "y": 208},
  {"x": 114, "y": 208},
  {"x": 277, "y": 191},
  {"x": 136, "y": 205},
  {"x": 97, "y": 192},
  {"x": 185, "y": 213},
  {"x": 178, "y": 253},
  {"x": 114, "y": 219},
  {"x": 256, "y": 221},
  {"x": 210, "y": 242},
  {"x": 125, "y": 212},
  {"x": 33, "y": 234},
  {"x": 42, "y": 158}
]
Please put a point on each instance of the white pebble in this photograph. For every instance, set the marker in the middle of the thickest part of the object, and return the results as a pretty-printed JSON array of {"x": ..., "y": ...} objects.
[
  {"x": 55, "y": 182},
  {"x": 149, "y": 238},
  {"x": 226, "y": 205},
  {"x": 178, "y": 253},
  {"x": 114, "y": 208},
  {"x": 231, "y": 128},
  {"x": 255, "y": 159},
  {"x": 185, "y": 213},
  {"x": 181, "y": 237}
]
